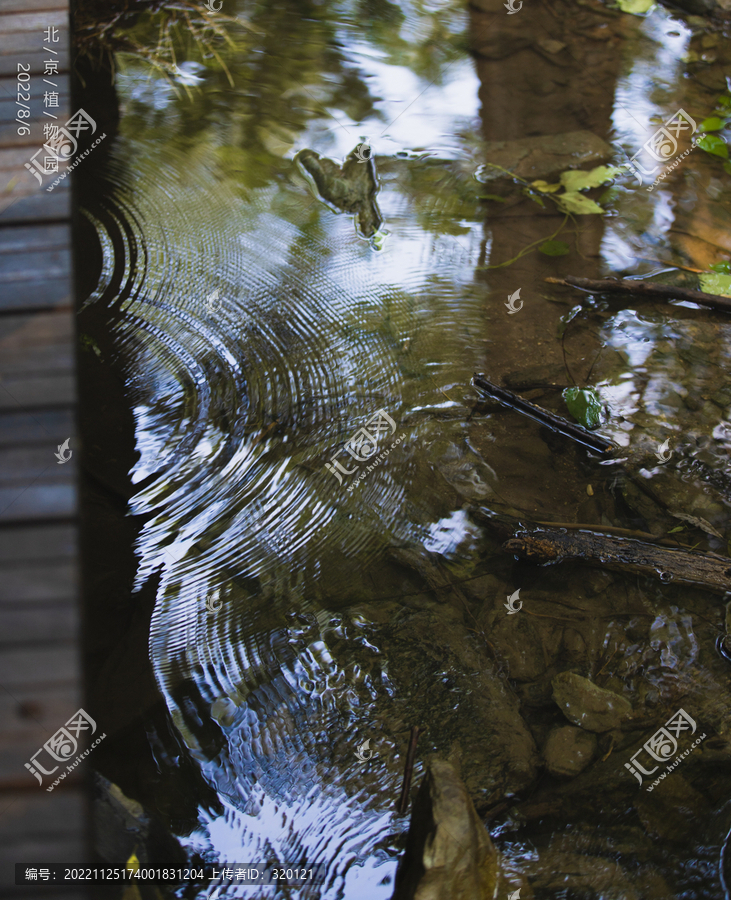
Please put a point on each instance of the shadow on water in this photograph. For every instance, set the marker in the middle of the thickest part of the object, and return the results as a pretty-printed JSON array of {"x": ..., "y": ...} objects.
[{"x": 288, "y": 598}]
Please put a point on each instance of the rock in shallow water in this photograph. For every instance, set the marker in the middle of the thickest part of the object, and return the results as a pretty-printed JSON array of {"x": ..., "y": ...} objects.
[
  {"x": 569, "y": 750},
  {"x": 449, "y": 854},
  {"x": 588, "y": 706}
]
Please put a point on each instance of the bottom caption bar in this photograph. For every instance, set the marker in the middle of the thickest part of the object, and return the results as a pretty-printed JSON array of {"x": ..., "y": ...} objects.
[{"x": 229, "y": 873}]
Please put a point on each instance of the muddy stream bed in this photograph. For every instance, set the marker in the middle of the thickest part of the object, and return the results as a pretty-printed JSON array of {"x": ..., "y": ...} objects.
[{"x": 309, "y": 226}]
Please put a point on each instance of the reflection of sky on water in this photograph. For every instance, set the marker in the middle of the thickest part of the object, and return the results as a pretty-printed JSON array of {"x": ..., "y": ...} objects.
[
  {"x": 648, "y": 95},
  {"x": 411, "y": 114}
]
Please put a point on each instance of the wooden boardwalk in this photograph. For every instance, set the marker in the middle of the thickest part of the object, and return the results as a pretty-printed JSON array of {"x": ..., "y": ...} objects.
[{"x": 40, "y": 674}]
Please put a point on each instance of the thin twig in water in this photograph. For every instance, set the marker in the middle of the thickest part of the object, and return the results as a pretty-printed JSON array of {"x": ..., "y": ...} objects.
[{"x": 403, "y": 802}]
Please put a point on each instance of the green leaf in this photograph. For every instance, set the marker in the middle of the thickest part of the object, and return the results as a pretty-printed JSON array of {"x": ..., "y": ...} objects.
[
  {"x": 713, "y": 124},
  {"x": 636, "y": 7},
  {"x": 727, "y": 167},
  {"x": 716, "y": 284},
  {"x": 676, "y": 529},
  {"x": 578, "y": 204},
  {"x": 712, "y": 143},
  {"x": 545, "y": 187},
  {"x": 723, "y": 268},
  {"x": 578, "y": 181},
  {"x": 584, "y": 405},
  {"x": 554, "y": 248},
  {"x": 724, "y": 102}
]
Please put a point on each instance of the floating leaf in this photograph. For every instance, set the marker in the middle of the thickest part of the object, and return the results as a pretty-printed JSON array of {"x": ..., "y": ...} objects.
[
  {"x": 584, "y": 405},
  {"x": 724, "y": 102},
  {"x": 636, "y": 7},
  {"x": 716, "y": 284},
  {"x": 578, "y": 204},
  {"x": 712, "y": 143},
  {"x": 554, "y": 248},
  {"x": 545, "y": 187},
  {"x": 713, "y": 124},
  {"x": 578, "y": 181},
  {"x": 723, "y": 268}
]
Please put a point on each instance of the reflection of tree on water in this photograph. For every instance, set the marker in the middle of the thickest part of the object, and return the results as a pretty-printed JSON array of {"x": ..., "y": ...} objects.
[{"x": 312, "y": 652}]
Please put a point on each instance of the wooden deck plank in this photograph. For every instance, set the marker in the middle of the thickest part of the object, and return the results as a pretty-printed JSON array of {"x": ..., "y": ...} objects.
[
  {"x": 41, "y": 623},
  {"x": 39, "y": 88},
  {"x": 34, "y": 58},
  {"x": 34, "y": 715},
  {"x": 31, "y": 333},
  {"x": 41, "y": 582},
  {"x": 43, "y": 207},
  {"x": 23, "y": 238},
  {"x": 38, "y": 392},
  {"x": 37, "y": 22},
  {"x": 39, "y": 427},
  {"x": 40, "y": 667},
  {"x": 37, "y": 543},
  {"x": 41, "y": 295},
  {"x": 38, "y": 501},
  {"x": 23, "y": 465},
  {"x": 18, "y": 6}
]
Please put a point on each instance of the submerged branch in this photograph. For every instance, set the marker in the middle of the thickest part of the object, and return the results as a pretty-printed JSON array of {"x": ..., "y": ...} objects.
[
  {"x": 645, "y": 289},
  {"x": 600, "y": 445},
  {"x": 543, "y": 544}
]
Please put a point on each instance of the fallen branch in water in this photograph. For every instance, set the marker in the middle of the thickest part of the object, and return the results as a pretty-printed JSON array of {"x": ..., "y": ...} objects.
[
  {"x": 645, "y": 289},
  {"x": 596, "y": 444},
  {"x": 543, "y": 544},
  {"x": 403, "y": 803}
]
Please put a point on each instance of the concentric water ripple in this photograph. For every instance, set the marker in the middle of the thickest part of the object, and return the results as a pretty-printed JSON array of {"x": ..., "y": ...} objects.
[{"x": 259, "y": 335}]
